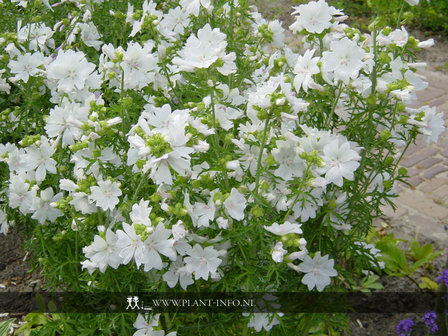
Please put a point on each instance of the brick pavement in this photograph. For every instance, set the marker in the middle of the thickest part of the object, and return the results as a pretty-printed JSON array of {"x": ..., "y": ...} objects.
[{"x": 423, "y": 206}]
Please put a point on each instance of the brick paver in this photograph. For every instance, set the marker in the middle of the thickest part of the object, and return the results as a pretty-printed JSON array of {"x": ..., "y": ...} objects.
[{"x": 423, "y": 206}]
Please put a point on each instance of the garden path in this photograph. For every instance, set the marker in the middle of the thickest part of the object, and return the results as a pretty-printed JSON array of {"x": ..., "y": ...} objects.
[{"x": 422, "y": 207}]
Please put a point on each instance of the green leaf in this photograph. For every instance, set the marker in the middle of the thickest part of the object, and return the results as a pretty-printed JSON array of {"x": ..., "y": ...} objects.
[
  {"x": 414, "y": 248},
  {"x": 417, "y": 264},
  {"x": 393, "y": 256},
  {"x": 419, "y": 252},
  {"x": 5, "y": 326},
  {"x": 36, "y": 318},
  {"x": 376, "y": 285},
  {"x": 52, "y": 307},
  {"x": 427, "y": 283},
  {"x": 424, "y": 260},
  {"x": 40, "y": 302}
]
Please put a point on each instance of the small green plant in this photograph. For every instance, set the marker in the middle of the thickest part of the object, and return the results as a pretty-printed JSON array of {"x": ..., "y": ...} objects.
[{"x": 404, "y": 263}]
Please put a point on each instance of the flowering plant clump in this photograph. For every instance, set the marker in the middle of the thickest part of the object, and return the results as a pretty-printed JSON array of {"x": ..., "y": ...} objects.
[
  {"x": 405, "y": 327},
  {"x": 430, "y": 320},
  {"x": 180, "y": 146}
]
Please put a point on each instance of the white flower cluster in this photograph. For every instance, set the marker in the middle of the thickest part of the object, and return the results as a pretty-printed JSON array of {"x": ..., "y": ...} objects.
[{"x": 166, "y": 151}]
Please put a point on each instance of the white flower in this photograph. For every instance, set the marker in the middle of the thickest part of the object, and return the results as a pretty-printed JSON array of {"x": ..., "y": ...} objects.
[
  {"x": 140, "y": 213},
  {"x": 426, "y": 44},
  {"x": 174, "y": 22},
  {"x": 138, "y": 65},
  {"x": 235, "y": 204},
  {"x": 318, "y": 271},
  {"x": 284, "y": 229},
  {"x": 90, "y": 35},
  {"x": 105, "y": 195},
  {"x": 278, "y": 33},
  {"x": 130, "y": 245},
  {"x": 178, "y": 159},
  {"x": 193, "y": 6},
  {"x": 38, "y": 35},
  {"x": 70, "y": 70},
  {"x": 202, "y": 262},
  {"x": 432, "y": 125},
  {"x": 20, "y": 196},
  {"x": 66, "y": 120},
  {"x": 16, "y": 160},
  {"x": 26, "y": 66},
  {"x": 4, "y": 223},
  {"x": 148, "y": 8},
  {"x": 201, "y": 213},
  {"x": 341, "y": 160},
  {"x": 345, "y": 60},
  {"x": 40, "y": 159},
  {"x": 158, "y": 243},
  {"x": 178, "y": 231},
  {"x": 304, "y": 69},
  {"x": 314, "y": 17},
  {"x": 102, "y": 253},
  {"x": 82, "y": 203},
  {"x": 4, "y": 86},
  {"x": 168, "y": 134},
  {"x": 178, "y": 273},
  {"x": 278, "y": 252},
  {"x": 307, "y": 208},
  {"x": 399, "y": 37},
  {"x": 43, "y": 210},
  {"x": 286, "y": 155},
  {"x": 145, "y": 327},
  {"x": 201, "y": 147},
  {"x": 412, "y": 2},
  {"x": 202, "y": 51},
  {"x": 264, "y": 321},
  {"x": 222, "y": 223},
  {"x": 225, "y": 115}
]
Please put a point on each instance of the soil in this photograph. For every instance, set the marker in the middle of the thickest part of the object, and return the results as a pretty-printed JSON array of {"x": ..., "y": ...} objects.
[
  {"x": 15, "y": 269},
  {"x": 16, "y": 275}
]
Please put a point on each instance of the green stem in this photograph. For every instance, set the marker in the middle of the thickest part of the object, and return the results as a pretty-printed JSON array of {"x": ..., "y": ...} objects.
[
  {"x": 232, "y": 10},
  {"x": 374, "y": 71},
  {"x": 260, "y": 156},
  {"x": 170, "y": 84},
  {"x": 215, "y": 136},
  {"x": 142, "y": 179},
  {"x": 394, "y": 114},
  {"x": 399, "y": 159},
  {"x": 41, "y": 236},
  {"x": 321, "y": 46},
  {"x": 335, "y": 103},
  {"x": 299, "y": 191},
  {"x": 123, "y": 108},
  {"x": 400, "y": 15}
]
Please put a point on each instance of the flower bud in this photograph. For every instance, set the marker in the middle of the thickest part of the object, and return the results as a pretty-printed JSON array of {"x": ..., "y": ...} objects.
[{"x": 403, "y": 171}]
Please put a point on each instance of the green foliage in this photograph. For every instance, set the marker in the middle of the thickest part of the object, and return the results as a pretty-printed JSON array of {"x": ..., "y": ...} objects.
[
  {"x": 432, "y": 15},
  {"x": 44, "y": 324},
  {"x": 370, "y": 283},
  {"x": 5, "y": 326},
  {"x": 396, "y": 259},
  {"x": 427, "y": 283}
]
